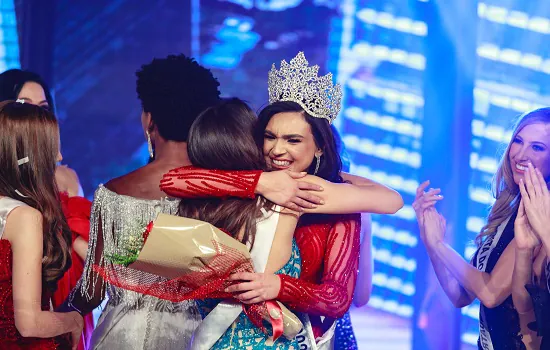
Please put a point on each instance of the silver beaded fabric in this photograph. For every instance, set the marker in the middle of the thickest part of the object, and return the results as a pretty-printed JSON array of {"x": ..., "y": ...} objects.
[{"x": 132, "y": 320}]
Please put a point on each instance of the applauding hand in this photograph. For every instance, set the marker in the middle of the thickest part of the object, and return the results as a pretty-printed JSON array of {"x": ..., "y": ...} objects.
[
  {"x": 525, "y": 238},
  {"x": 435, "y": 226},
  {"x": 536, "y": 201},
  {"x": 424, "y": 201}
]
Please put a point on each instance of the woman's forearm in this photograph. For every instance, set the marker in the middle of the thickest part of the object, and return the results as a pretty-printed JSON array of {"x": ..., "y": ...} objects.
[
  {"x": 363, "y": 288},
  {"x": 80, "y": 246},
  {"x": 458, "y": 296},
  {"x": 345, "y": 198},
  {"x": 523, "y": 268},
  {"x": 46, "y": 324},
  {"x": 489, "y": 290}
]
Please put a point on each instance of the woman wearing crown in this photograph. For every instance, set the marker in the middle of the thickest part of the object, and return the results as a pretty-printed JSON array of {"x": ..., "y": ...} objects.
[{"x": 295, "y": 135}]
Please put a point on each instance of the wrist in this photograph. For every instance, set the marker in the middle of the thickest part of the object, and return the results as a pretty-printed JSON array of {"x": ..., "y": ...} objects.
[
  {"x": 77, "y": 320},
  {"x": 545, "y": 240},
  {"x": 434, "y": 243},
  {"x": 278, "y": 285},
  {"x": 261, "y": 184},
  {"x": 524, "y": 252},
  {"x": 436, "y": 246},
  {"x": 280, "y": 293}
]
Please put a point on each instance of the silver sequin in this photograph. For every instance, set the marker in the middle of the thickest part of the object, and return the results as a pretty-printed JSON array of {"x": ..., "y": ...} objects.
[{"x": 132, "y": 320}]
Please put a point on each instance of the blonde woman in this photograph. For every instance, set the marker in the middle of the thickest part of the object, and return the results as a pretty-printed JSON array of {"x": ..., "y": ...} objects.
[
  {"x": 489, "y": 276},
  {"x": 529, "y": 285}
]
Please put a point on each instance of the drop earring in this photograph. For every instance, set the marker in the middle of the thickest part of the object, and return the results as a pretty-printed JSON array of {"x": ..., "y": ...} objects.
[
  {"x": 318, "y": 157},
  {"x": 149, "y": 144}
]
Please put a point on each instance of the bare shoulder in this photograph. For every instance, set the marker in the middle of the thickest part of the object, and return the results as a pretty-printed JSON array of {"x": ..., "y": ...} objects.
[
  {"x": 119, "y": 184},
  {"x": 23, "y": 213},
  {"x": 141, "y": 183},
  {"x": 67, "y": 180},
  {"x": 22, "y": 223}
]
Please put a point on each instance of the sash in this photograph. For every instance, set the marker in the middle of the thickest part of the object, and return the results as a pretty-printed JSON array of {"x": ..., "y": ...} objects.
[
  {"x": 483, "y": 255},
  {"x": 216, "y": 323},
  {"x": 306, "y": 340}
]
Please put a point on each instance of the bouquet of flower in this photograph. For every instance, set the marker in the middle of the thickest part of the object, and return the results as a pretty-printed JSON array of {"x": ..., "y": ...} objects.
[{"x": 181, "y": 259}]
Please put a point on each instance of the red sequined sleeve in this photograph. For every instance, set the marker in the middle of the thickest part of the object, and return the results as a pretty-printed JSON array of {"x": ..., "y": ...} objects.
[
  {"x": 192, "y": 182},
  {"x": 332, "y": 297}
]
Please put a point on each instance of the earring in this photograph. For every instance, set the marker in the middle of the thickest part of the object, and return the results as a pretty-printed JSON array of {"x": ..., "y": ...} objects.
[
  {"x": 149, "y": 144},
  {"x": 318, "y": 157}
]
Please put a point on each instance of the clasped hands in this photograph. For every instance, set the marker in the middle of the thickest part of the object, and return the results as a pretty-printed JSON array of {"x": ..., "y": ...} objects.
[
  {"x": 432, "y": 224},
  {"x": 532, "y": 225}
]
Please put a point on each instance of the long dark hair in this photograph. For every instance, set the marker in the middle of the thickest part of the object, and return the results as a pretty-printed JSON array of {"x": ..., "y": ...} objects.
[
  {"x": 12, "y": 81},
  {"x": 31, "y": 131},
  {"x": 221, "y": 138},
  {"x": 331, "y": 163}
]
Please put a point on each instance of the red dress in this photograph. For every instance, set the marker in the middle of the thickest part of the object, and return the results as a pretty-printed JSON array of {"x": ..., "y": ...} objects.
[
  {"x": 329, "y": 244},
  {"x": 10, "y": 339},
  {"x": 77, "y": 211}
]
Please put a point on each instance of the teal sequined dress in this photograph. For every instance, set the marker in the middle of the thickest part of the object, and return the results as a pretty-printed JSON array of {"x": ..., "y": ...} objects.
[{"x": 243, "y": 334}]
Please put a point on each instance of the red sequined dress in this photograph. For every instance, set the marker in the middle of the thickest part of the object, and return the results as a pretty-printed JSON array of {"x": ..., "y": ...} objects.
[
  {"x": 77, "y": 212},
  {"x": 329, "y": 245},
  {"x": 10, "y": 339}
]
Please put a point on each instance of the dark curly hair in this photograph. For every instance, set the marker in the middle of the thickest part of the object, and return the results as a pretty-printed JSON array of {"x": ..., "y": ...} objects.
[{"x": 175, "y": 90}]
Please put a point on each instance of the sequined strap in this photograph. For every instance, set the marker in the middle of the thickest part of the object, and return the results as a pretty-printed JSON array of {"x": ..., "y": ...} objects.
[
  {"x": 332, "y": 297},
  {"x": 192, "y": 182},
  {"x": 6, "y": 206}
]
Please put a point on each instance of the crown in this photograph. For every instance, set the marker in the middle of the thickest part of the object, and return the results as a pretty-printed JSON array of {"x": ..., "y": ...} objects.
[{"x": 297, "y": 82}]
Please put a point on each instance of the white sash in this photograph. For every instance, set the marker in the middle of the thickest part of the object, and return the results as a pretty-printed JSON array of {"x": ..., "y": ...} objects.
[
  {"x": 483, "y": 255},
  {"x": 216, "y": 323},
  {"x": 306, "y": 339}
]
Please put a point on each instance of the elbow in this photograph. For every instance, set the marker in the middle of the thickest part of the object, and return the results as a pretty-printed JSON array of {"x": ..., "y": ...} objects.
[
  {"x": 339, "y": 313},
  {"x": 395, "y": 203},
  {"x": 26, "y": 327},
  {"x": 362, "y": 297},
  {"x": 361, "y": 300},
  {"x": 490, "y": 301},
  {"x": 26, "y": 332},
  {"x": 459, "y": 304}
]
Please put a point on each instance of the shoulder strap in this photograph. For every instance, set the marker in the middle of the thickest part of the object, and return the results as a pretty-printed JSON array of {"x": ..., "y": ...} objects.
[{"x": 6, "y": 206}]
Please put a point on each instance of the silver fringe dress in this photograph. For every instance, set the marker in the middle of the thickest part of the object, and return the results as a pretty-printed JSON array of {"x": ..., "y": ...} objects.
[{"x": 131, "y": 320}]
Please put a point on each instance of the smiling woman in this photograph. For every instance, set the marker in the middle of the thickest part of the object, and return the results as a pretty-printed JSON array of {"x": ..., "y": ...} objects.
[
  {"x": 530, "y": 146},
  {"x": 294, "y": 140},
  {"x": 503, "y": 318},
  {"x": 288, "y": 142}
]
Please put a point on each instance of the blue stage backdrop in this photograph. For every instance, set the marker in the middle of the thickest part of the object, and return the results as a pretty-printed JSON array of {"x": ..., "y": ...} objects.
[
  {"x": 9, "y": 41},
  {"x": 99, "y": 46}
]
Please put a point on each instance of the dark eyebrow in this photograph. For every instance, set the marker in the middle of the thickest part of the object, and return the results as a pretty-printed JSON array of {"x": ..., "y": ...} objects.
[
  {"x": 289, "y": 136},
  {"x": 293, "y": 136}
]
